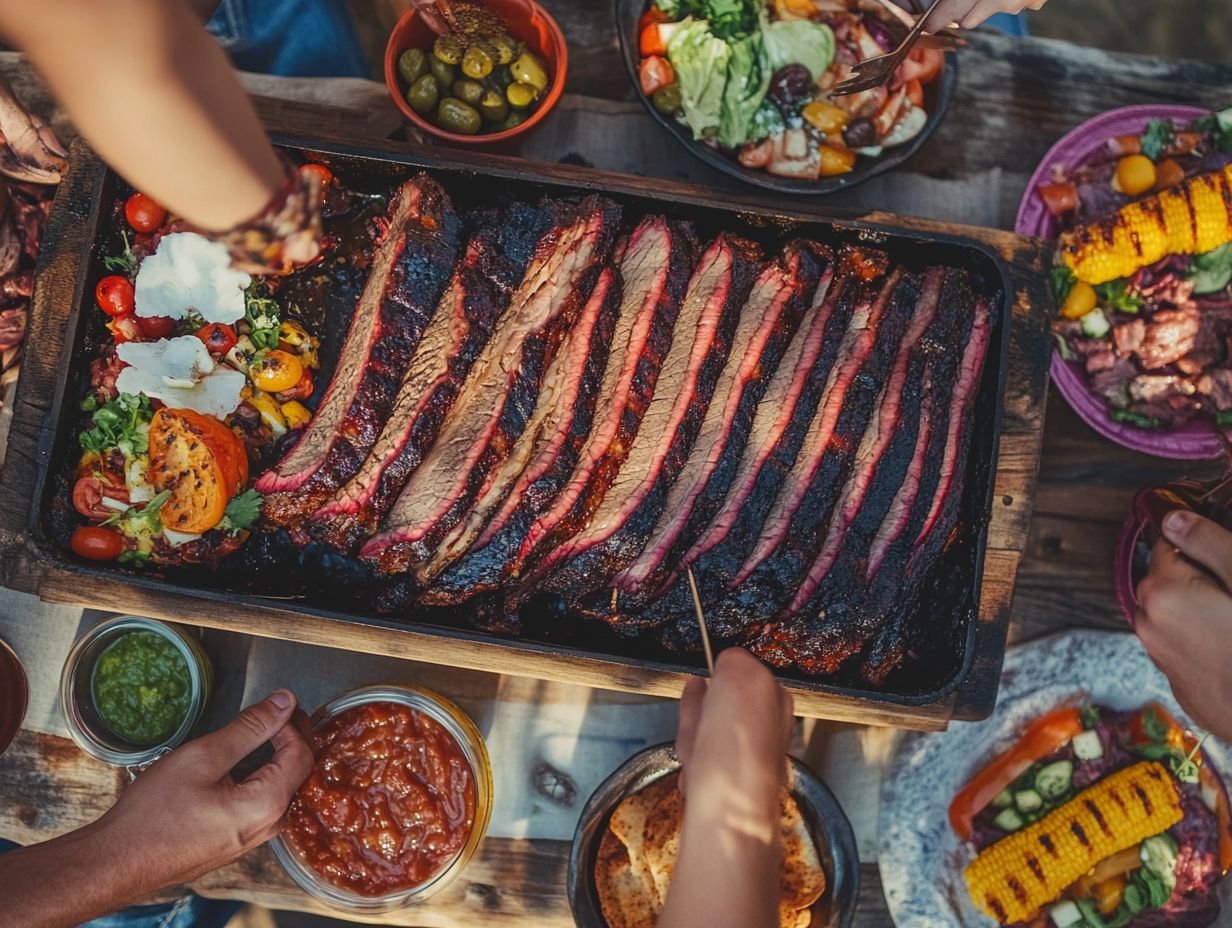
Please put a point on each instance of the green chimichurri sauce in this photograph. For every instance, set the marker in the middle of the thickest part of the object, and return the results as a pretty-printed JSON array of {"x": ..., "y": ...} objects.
[{"x": 141, "y": 687}]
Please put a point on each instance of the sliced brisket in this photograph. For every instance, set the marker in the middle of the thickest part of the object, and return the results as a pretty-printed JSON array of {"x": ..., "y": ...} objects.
[
  {"x": 768, "y": 320},
  {"x": 622, "y": 521},
  {"x": 500, "y": 392},
  {"x": 494, "y": 262},
  {"x": 413, "y": 261}
]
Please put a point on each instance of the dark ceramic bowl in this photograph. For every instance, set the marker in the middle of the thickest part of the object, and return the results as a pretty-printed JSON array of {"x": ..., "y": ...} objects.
[
  {"x": 827, "y": 823},
  {"x": 937, "y": 97}
]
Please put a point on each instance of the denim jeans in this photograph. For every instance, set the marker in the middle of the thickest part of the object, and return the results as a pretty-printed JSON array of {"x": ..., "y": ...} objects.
[
  {"x": 188, "y": 912},
  {"x": 294, "y": 38}
]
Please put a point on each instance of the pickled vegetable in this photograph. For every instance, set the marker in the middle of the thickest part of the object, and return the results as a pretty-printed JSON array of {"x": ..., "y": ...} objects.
[
  {"x": 478, "y": 62},
  {"x": 423, "y": 94},
  {"x": 667, "y": 99},
  {"x": 448, "y": 49},
  {"x": 444, "y": 73},
  {"x": 493, "y": 106},
  {"x": 505, "y": 47},
  {"x": 520, "y": 95},
  {"x": 528, "y": 69},
  {"x": 468, "y": 91},
  {"x": 511, "y": 121},
  {"x": 453, "y": 115},
  {"x": 412, "y": 65}
]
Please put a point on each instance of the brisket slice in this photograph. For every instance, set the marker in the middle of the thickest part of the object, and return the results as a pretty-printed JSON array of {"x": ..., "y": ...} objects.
[
  {"x": 769, "y": 318},
  {"x": 472, "y": 557},
  {"x": 413, "y": 260},
  {"x": 494, "y": 262},
  {"x": 622, "y": 521},
  {"x": 887, "y": 423},
  {"x": 500, "y": 391},
  {"x": 840, "y": 308},
  {"x": 654, "y": 268}
]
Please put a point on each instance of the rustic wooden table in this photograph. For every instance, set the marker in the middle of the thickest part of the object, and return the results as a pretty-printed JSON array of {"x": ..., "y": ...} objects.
[{"x": 1015, "y": 97}]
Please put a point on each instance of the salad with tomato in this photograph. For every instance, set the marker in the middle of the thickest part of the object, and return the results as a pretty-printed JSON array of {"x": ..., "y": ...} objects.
[
  {"x": 1097, "y": 818},
  {"x": 752, "y": 78},
  {"x": 202, "y": 373}
]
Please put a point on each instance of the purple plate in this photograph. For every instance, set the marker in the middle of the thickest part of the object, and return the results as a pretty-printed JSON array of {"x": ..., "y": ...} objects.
[{"x": 1195, "y": 441}]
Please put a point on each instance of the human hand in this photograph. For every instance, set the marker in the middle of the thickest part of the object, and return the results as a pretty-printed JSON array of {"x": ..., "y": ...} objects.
[
  {"x": 970, "y": 13},
  {"x": 1184, "y": 617},
  {"x": 732, "y": 739},
  {"x": 186, "y": 815}
]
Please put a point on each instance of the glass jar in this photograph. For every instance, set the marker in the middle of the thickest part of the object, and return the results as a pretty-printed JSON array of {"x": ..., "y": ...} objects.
[
  {"x": 87, "y": 727},
  {"x": 471, "y": 743}
]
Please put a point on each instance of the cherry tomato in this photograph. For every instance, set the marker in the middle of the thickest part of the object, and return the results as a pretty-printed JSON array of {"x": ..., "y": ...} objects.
[
  {"x": 277, "y": 371},
  {"x": 655, "y": 72},
  {"x": 88, "y": 493},
  {"x": 218, "y": 338},
  {"x": 124, "y": 329},
  {"x": 97, "y": 543},
  {"x": 1059, "y": 198},
  {"x": 156, "y": 326},
  {"x": 915, "y": 93},
  {"x": 653, "y": 40},
  {"x": 324, "y": 174},
  {"x": 144, "y": 213},
  {"x": 115, "y": 295},
  {"x": 650, "y": 17},
  {"x": 922, "y": 64}
]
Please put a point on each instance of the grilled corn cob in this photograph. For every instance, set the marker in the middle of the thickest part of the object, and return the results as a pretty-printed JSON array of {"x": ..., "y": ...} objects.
[
  {"x": 1014, "y": 878},
  {"x": 1190, "y": 219}
]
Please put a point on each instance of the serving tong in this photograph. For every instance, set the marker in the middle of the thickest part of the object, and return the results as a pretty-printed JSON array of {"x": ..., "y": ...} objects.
[{"x": 873, "y": 72}]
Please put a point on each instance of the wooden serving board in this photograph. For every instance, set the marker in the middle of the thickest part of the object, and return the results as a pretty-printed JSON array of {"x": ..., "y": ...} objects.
[{"x": 69, "y": 239}]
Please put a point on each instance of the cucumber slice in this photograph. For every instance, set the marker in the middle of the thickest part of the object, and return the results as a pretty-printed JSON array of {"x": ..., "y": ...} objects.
[
  {"x": 1087, "y": 746},
  {"x": 1004, "y": 799},
  {"x": 1095, "y": 324},
  {"x": 1008, "y": 820},
  {"x": 1055, "y": 780},
  {"x": 1028, "y": 800},
  {"x": 1158, "y": 855},
  {"x": 1065, "y": 913}
]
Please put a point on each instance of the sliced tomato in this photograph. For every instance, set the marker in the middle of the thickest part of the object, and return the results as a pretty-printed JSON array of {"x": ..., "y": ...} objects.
[
  {"x": 915, "y": 93},
  {"x": 88, "y": 493},
  {"x": 1042, "y": 737},
  {"x": 653, "y": 40},
  {"x": 655, "y": 72},
  {"x": 114, "y": 294},
  {"x": 1122, "y": 145},
  {"x": 144, "y": 213},
  {"x": 96, "y": 543},
  {"x": 887, "y": 116},
  {"x": 218, "y": 338},
  {"x": 651, "y": 17},
  {"x": 1060, "y": 198},
  {"x": 153, "y": 327},
  {"x": 922, "y": 64},
  {"x": 124, "y": 329},
  {"x": 1168, "y": 174}
]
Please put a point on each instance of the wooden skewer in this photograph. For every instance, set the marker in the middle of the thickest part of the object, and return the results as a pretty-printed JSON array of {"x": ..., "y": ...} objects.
[{"x": 701, "y": 620}]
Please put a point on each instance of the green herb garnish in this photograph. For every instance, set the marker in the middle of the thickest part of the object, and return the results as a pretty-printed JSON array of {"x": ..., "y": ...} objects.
[
  {"x": 242, "y": 512},
  {"x": 1158, "y": 135},
  {"x": 264, "y": 319},
  {"x": 1116, "y": 295},
  {"x": 1219, "y": 127},
  {"x": 1063, "y": 280},
  {"x": 118, "y": 424},
  {"x": 1134, "y": 418},
  {"x": 1211, "y": 272},
  {"x": 1089, "y": 716},
  {"x": 145, "y": 518},
  {"x": 125, "y": 262}
]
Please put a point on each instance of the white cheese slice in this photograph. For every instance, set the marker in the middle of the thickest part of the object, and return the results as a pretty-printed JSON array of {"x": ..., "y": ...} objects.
[
  {"x": 189, "y": 273},
  {"x": 180, "y": 362},
  {"x": 175, "y": 539},
  {"x": 217, "y": 395}
]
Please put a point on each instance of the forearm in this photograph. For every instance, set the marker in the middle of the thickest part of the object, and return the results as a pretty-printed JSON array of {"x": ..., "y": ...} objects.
[
  {"x": 73, "y": 878},
  {"x": 153, "y": 93}
]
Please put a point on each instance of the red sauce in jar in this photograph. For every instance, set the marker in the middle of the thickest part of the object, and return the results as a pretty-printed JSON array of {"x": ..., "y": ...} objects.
[{"x": 389, "y": 804}]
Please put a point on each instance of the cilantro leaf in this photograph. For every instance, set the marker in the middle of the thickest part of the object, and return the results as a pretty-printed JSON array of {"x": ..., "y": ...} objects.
[
  {"x": 119, "y": 424},
  {"x": 1219, "y": 127},
  {"x": 242, "y": 512},
  {"x": 1134, "y": 418},
  {"x": 1089, "y": 716},
  {"x": 1116, "y": 295},
  {"x": 125, "y": 262},
  {"x": 144, "y": 519},
  {"x": 263, "y": 316},
  {"x": 1063, "y": 280},
  {"x": 1154, "y": 727},
  {"x": 1158, "y": 135},
  {"x": 1211, "y": 272}
]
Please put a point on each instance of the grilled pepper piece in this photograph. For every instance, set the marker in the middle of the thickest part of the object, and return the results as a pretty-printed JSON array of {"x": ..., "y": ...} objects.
[
  {"x": 1190, "y": 219},
  {"x": 1014, "y": 878}
]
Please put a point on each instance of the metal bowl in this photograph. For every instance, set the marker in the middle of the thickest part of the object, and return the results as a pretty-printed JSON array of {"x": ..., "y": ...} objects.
[
  {"x": 937, "y": 96},
  {"x": 826, "y": 821},
  {"x": 76, "y": 697}
]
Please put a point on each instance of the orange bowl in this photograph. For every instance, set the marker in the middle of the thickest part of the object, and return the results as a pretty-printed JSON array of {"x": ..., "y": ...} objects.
[{"x": 527, "y": 21}]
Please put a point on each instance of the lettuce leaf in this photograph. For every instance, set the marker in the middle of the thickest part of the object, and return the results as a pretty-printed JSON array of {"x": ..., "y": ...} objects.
[
  {"x": 798, "y": 41},
  {"x": 700, "y": 60},
  {"x": 748, "y": 78}
]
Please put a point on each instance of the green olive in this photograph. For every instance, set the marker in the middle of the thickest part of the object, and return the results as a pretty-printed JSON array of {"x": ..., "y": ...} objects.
[
  {"x": 527, "y": 69},
  {"x": 469, "y": 92},
  {"x": 478, "y": 62},
  {"x": 667, "y": 99},
  {"x": 520, "y": 96},
  {"x": 444, "y": 73},
  {"x": 423, "y": 94},
  {"x": 455, "y": 116},
  {"x": 448, "y": 49},
  {"x": 513, "y": 119},
  {"x": 506, "y": 48},
  {"x": 493, "y": 106},
  {"x": 412, "y": 65}
]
